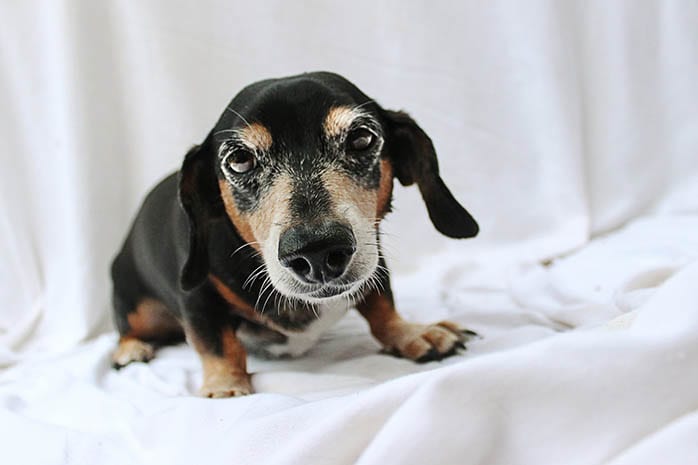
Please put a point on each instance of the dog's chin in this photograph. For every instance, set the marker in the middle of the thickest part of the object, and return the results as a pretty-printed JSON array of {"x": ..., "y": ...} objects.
[{"x": 327, "y": 293}]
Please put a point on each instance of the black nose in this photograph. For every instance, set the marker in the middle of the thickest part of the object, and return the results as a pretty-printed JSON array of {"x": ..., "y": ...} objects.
[{"x": 317, "y": 253}]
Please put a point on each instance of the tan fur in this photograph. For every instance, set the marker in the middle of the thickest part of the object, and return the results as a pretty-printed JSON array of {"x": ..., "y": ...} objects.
[
  {"x": 339, "y": 119},
  {"x": 343, "y": 191},
  {"x": 273, "y": 208},
  {"x": 226, "y": 375},
  {"x": 152, "y": 320},
  {"x": 385, "y": 189},
  {"x": 132, "y": 350},
  {"x": 238, "y": 219},
  {"x": 380, "y": 313},
  {"x": 240, "y": 307},
  {"x": 254, "y": 227},
  {"x": 409, "y": 340},
  {"x": 256, "y": 136}
]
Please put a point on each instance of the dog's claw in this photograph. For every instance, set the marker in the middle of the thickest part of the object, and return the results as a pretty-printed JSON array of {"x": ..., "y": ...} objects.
[
  {"x": 431, "y": 355},
  {"x": 468, "y": 332}
]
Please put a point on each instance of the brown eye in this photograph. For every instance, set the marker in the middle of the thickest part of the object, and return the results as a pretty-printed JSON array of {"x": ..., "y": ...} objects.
[
  {"x": 361, "y": 139},
  {"x": 241, "y": 161}
]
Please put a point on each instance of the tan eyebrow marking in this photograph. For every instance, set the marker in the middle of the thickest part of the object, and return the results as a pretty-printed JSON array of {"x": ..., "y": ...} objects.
[
  {"x": 339, "y": 119},
  {"x": 256, "y": 135}
]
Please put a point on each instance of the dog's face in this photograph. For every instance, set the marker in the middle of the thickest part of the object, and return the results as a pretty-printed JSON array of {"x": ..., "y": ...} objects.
[
  {"x": 302, "y": 180},
  {"x": 304, "y": 167}
]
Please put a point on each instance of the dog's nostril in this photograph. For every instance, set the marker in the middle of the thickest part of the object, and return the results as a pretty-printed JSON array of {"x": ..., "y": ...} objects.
[
  {"x": 300, "y": 265},
  {"x": 337, "y": 259}
]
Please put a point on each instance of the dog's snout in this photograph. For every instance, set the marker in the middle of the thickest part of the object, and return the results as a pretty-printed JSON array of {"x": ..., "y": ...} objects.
[{"x": 317, "y": 254}]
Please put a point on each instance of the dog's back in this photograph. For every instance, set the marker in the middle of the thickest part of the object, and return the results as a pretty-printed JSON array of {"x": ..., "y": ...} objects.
[{"x": 149, "y": 263}]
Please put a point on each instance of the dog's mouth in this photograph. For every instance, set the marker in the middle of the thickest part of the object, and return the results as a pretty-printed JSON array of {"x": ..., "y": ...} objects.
[
  {"x": 330, "y": 291},
  {"x": 317, "y": 293},
  {"x": 346, "y": 288}
]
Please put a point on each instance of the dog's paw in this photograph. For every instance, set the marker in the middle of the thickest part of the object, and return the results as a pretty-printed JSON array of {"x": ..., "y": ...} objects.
[
  {"x": 226, "y": 387},
  {"x": 424, "y": 343},
  {"x": 132, "y": 350}
]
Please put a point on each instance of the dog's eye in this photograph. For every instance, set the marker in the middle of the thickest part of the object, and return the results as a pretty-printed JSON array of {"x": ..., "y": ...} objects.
[
  {"x": 241, "y": 161},
  {"x": 360, "y": 139}
]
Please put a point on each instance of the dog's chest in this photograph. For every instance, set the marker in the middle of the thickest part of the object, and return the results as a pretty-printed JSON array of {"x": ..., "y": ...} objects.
[{"x": 297, "y": 339}]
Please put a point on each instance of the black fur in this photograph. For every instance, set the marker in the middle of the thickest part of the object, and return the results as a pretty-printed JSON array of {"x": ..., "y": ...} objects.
[{"x": 414, "y": 160}]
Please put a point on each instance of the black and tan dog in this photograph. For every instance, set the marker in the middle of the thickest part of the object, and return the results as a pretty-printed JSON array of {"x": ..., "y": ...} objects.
[{"x": 269, "y": 232}]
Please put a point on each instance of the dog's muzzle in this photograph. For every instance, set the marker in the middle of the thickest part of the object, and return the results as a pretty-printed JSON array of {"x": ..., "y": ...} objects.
[{"x": 317, "y": 253}]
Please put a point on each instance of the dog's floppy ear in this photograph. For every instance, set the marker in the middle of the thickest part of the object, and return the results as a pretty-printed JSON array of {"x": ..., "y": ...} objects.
[
  {"x": 414, "y": 160},
  {"x": 199, "y": 196}
]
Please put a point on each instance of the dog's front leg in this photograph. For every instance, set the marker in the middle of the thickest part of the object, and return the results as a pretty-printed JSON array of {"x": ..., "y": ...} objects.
[
  {"x": 223, "y": 357},
  {"x": 418, "y": 342},
  {"x": 224, "y": 362}
]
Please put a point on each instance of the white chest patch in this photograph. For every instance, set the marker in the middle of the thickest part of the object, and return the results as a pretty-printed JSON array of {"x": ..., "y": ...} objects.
[{"x": 298, "y": 343}]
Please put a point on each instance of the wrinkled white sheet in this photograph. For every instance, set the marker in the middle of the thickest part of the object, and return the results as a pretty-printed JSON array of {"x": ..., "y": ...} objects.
[
  {"x": 568, "y": 129},
  {"x": 622, "y": 389}
]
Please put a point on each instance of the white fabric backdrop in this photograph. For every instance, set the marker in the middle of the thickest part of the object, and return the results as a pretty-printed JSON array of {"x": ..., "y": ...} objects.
[{"x": 555, "y": 122}]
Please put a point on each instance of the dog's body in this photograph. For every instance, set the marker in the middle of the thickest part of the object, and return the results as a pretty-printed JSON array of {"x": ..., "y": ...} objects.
[{"x": 269, "y": 232}]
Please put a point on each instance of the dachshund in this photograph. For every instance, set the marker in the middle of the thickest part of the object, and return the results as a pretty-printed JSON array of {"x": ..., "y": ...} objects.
[{"x": 269, "y": 233}]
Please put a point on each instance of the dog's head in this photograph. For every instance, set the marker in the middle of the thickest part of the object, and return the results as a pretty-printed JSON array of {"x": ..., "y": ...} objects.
[{"x": 304, "y": 166}]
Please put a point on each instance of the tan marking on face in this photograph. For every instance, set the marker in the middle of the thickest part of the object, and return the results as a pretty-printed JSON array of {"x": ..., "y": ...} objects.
[
  {"x": 273, "y": 208},
  {"x": 257, "y": 136},
  {"x": 339, "y": 119},
  {"x": 224, "y": 375},
  {"x": 385, "y": 189},
  {"x": 343, "y": 190},
  {"x": 151, "y": 320},
  {"x": 239, "y": 220}
]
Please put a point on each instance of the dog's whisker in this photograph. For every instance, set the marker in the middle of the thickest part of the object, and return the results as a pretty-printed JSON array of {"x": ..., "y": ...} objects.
[
  {"x": 260, "y": 270},
  {"x": 387, "y": 247},
  {"x": 225, "y": 131},
  {"x": 382, "y": 269},
  {"x": 386, "y": 234},
  {"x": 265, "y": 287},
  {"x": 259, "y": 274},
  {"x": 260, "y": 293},
  {"x": 271, "y": 293},
  {"x": 278, "y": 300},
  {"x": 367, "y": 102},
  {"x": 257, "y": 269},
  {"x": 247, "y": 244},
  {"x": 239, "y": 115}
]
